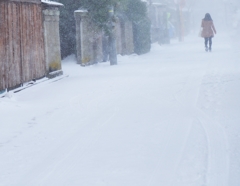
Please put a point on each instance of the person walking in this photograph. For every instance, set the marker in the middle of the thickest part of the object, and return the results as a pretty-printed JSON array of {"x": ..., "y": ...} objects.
[{"x": 208, "y": 30}]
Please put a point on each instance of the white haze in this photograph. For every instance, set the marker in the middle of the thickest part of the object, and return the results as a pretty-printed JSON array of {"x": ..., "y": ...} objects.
[
  {"x": 222, "y": 12},
  {"x": 166, "y": 118}
]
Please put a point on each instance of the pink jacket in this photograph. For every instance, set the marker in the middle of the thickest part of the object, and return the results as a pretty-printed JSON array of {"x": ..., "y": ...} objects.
[{"x": 208, "y": 29}]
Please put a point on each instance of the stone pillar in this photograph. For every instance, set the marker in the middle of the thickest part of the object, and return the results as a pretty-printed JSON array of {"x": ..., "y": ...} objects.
[
  {"x": 88, "y": 39},
  {"x": 52, "y": 39},
  {"x": 80, "y": 18},
  {"x": 127, "y": 37},
  {"x": 118, "y": 36}
]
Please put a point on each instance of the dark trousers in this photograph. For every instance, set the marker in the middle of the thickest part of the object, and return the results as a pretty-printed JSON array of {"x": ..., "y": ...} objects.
[{"x": 208, "y": 40}]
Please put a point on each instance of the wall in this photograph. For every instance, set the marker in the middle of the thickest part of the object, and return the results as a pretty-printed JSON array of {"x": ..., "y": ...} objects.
[{"x": 91, "y": 41}]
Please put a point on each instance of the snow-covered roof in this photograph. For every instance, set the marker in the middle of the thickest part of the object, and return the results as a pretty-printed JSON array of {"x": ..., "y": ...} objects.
[
  {"x": 52, "y": 3},
  {"x": 183, "y": 9},
  {"x": 25, "y": 1},
  {"x": 80, "y": 11},
  {"x": 158, "y": 4}
]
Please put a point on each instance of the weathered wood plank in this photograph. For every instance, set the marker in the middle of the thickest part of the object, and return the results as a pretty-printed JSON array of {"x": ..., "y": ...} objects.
[
  {"x": 2, "y": 47},
  {"x": 16, "y": 44},
  {"x": 9, "y": 45},
  {"x": 22, "y": 56}
]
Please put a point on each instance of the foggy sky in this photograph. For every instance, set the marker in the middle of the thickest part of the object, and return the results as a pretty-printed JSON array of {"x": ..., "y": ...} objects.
[{"x": 217, "y": 9}]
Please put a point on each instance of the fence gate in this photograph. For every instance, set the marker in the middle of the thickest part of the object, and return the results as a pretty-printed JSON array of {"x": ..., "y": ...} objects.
[{"x": 21, "y": 43}]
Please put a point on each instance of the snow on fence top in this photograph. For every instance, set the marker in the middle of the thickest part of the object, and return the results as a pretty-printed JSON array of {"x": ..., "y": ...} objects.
[
  {"x": 81, "y": 10},
  {"x": 51, "y": 3},
  {"x": 38, "y": 2},
  {"x": 25, "y": 1}
]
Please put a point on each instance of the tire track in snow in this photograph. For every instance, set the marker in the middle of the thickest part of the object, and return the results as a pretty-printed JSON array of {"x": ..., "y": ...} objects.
[
  {"x": 217, "y": 165},
  {"x": 171, "y": 153},
  {"x": 176, "y": 141},
  {"x": 187, "y": 99},
  {"x": 217, "y": 172}
]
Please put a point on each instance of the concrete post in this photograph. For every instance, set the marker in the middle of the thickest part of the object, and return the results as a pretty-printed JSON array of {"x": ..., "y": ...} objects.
[
  {"x": 83, "y": 53},
  {"x": 88, "y": 39},
  {"x": 127, "y": 38},
  {"x": 52, "y": 39},
  {"x": 112, "y": 37},
  {"x": 118, "y": 36}
]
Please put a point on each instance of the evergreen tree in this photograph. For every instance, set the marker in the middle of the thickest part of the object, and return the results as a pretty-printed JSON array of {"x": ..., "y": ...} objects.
[
  {"x": 136, "y": 11},
  {"x": 99, "y": 14},
  {"x": 99, "y": 11},
  {"x": 68, "y": 27}
]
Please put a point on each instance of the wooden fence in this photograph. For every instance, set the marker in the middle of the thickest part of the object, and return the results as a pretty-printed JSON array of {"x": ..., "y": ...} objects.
[{"x": 22, "y": 56}]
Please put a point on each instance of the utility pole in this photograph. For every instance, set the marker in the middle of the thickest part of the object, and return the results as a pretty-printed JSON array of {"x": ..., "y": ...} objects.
[
  {"x": 225, "y": 12},
  {"x": 112, "y": 38},
  {"x": 180, "y": 4}
]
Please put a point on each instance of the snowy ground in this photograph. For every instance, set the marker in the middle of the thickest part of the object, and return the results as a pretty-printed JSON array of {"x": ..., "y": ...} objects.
[{"x": 166, "y": 118}]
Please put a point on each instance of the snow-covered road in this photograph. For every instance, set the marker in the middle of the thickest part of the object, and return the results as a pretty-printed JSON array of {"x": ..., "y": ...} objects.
[{"x": 168, "y": 118}]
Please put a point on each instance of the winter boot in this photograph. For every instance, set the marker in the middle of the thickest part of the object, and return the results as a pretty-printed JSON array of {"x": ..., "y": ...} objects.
[
  {"x": 206, "y": 48},
  {"x": 210, "y": 48}
]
